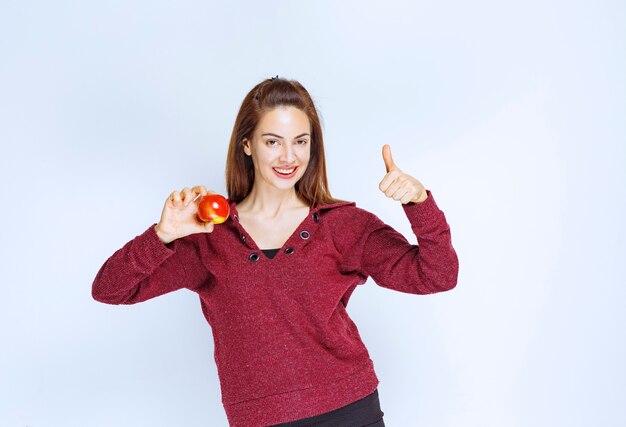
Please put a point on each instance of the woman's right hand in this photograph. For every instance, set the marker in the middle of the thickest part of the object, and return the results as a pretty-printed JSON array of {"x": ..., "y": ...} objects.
[{"x": 179, "y": 218}]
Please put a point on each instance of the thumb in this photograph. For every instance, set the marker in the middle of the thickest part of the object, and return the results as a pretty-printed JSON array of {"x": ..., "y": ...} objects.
[{"x": 389, "y": 164}]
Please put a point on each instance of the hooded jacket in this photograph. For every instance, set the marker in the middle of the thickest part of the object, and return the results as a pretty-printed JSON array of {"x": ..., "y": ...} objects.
[{"x": 284, "y": 344}]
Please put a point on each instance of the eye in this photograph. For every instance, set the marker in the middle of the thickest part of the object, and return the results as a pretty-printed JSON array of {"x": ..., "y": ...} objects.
[
  {"x": 269, "y": 141},
  {"x": 303, "y": 141}
]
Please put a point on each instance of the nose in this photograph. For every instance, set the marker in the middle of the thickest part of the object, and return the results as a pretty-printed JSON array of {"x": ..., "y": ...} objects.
[{"x": 287, "y": 155}]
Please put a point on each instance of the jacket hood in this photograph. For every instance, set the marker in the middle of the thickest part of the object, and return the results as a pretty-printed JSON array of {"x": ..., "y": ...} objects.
[{"x": 317, "y": 208}]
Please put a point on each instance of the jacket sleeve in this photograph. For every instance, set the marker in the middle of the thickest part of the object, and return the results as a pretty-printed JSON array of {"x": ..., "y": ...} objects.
[
  {"x": 430, "y": 266},
  {"x": 145, "y": 268}
]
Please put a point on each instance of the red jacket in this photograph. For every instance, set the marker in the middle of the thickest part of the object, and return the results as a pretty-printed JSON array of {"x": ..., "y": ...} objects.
[{"x": 285, "y": 346}]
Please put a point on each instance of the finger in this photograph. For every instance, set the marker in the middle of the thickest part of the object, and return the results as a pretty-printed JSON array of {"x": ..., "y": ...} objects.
[
  {"x": 401, "y": 192},
  {"x": 176, "y": 201},
  {"x": 186, "y": 196},
  {"x": 170, "y": 198},
  {"x": 396, "y": 185},
  {"x": 389, "y": 179},
  {"x": 389, "y": 163},
  {"x": 199, "y": 189},
  {"x": 407, "y": 198}
]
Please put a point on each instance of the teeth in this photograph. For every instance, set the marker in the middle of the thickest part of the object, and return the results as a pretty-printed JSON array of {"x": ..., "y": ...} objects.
[{"x": 285, "y": 171}]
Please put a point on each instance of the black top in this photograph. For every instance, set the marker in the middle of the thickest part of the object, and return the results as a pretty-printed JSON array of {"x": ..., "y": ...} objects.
[
  {"x": 270, "y": 252},
  {"x": 363, "y": 412}
]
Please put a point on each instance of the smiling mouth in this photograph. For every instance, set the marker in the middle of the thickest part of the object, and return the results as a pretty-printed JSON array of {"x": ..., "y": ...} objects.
[{"x": 286, "y": 171}]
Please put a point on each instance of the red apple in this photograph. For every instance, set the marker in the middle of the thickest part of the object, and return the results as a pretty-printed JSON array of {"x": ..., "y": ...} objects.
[{"x": 213, "y": 207}]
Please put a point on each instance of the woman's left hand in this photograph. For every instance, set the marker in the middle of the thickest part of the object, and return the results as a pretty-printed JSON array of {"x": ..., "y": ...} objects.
[{"x": 399, "y": 185}]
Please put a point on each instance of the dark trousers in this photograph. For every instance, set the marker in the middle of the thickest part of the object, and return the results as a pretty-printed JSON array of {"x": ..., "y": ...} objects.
[{"x": 365, "y": 412}]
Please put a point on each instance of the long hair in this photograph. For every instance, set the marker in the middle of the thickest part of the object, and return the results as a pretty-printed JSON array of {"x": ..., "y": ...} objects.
[{"x": 271, "y": 93}]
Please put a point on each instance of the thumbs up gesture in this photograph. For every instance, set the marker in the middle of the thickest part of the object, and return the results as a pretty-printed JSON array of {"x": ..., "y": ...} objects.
[{"x": 399, "y": 185}]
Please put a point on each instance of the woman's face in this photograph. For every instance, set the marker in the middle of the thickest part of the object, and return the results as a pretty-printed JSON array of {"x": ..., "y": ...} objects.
[{"x": 282, "y": 140}]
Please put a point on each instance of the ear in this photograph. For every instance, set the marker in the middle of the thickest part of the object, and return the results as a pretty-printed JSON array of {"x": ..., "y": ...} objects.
[{"x": 246, "y": 146}]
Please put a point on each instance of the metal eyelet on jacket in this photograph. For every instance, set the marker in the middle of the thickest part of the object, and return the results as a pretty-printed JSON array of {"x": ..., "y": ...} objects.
[
  {"x": 305, "y": 234},
  {"x": 289, "y": 250},
  {"x": 254, "y": 256},
  {"x": 243, "y": 238},
  {"x": 316, "y": 217}
]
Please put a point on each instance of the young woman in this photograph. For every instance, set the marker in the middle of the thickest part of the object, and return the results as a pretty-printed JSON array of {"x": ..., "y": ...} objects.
[{"x": 274, "y": 280}]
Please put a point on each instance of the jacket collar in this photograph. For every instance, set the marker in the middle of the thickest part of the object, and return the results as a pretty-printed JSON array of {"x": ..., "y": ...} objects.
[{"x": 299, "y": 239}]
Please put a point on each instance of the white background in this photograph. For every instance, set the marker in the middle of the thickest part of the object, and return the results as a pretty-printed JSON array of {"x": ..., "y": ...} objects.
[{"x": 511, "y": 113}]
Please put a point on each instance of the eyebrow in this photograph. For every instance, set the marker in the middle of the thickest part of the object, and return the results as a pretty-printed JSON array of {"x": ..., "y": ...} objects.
[{"x": 278, "y": 136}]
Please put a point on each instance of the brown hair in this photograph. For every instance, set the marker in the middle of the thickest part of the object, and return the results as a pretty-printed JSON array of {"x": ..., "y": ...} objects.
[{"x": 269, "y": 94}]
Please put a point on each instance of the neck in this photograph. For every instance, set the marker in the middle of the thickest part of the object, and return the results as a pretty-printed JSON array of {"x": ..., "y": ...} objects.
[{"x": 270, "y": 202}]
